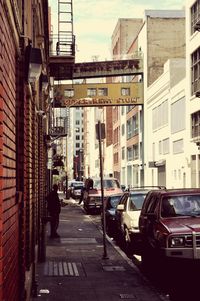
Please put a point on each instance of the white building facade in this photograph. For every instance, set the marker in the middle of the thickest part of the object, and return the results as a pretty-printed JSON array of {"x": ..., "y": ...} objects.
[
  {"x": 193, "y": 86},
  {"x": 166, "y": 135}
]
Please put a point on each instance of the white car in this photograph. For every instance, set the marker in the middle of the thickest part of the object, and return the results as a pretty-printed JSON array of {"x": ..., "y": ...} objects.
[{"x": 127, "y": 216}]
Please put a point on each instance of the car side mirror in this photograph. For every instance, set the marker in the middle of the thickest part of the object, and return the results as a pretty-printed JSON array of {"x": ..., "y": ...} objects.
[{"x": 120, "y": 207}]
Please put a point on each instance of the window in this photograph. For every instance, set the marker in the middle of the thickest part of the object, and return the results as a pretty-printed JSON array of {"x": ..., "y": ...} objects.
[
  {"x": 102, "y": 91},
  {"x": 116, "y": 136},
  {"x": 135, "y": 151},
  {"x": 178, "y": 146},
  {"x": 116, "y": 158},
  {"x": 123, "y": 129},
  {"x": 160, "y": 147},
  {"x": 195, "y": 71},
  {"x": 97, "y": 164},
  {"x": 129, "y": 130},
  {"x": 123, "y": 153},
  {"x": 125, "y": 91},
  {"x": 195, "y": 121},
  {"x": 166, "y": 146},
  {"x": 130, "y": 153},
  {"x": 132, "y": 126},
  {"x": 69, "y": 92},
  {"x": 122, "y": 110},
  {"x": 160, "y": 116},
  {"x": 152, "y": 205},
  {"x": 77, "y": 137},
  {"x": 195, "y": 15},
  {"x": 77, "y": 122},
  {"x": 178, "y": 116},
  {"x": 129, "y": 108},
  {"x": 77, "y": 144},
  {"x": 135, "y": 124},
  {"x": 91, "y": 92}
]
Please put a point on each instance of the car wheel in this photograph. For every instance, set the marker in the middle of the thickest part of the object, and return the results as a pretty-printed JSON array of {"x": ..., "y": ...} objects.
[{"x": 146, "y": 260}]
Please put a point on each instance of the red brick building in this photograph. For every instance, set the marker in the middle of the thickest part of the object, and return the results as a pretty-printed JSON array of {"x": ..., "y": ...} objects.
[{"x": 23, "y": 28}]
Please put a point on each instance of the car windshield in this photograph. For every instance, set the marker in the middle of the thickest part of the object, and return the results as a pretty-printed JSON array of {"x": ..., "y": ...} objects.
[
  {"x": 113, "y": 201},
  {"x": 107, "y": 183},
  {"x": 77, "y": 185},
  {"x": 136, "y": 201},
  {"x": 180, "y": 206}
]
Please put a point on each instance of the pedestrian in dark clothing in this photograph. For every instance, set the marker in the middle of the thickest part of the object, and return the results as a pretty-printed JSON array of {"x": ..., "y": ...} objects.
[
  {"x": 89, "y": 184},
  {"x": 54, "y": 208},
  {"x": 82, "y": 194}
]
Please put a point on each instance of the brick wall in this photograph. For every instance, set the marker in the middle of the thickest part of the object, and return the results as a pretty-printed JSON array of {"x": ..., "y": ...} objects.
[
  {"x": 22, "y": 156},
  {"x": 9, "y": 273}
]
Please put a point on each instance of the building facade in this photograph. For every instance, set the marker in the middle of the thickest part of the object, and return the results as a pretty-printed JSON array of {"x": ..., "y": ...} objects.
[
  {"x": 124, "y": 149},
  {"x": 167, "y": 141},
  {"x": 154, "y": 40},
  {"x": 23, "y": 144},
  {"x": 193, "y": 86}
]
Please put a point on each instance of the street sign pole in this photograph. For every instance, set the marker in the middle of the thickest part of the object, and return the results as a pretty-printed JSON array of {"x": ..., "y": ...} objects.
[{"x": 101, "y": 135}]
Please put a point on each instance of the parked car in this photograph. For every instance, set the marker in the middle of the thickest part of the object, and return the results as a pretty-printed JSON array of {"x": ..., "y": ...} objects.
[
  {"x": 76, "y": 188},
  {"x": 71, "y": 185},
  {"x": 110, "y": 214},
  {"x": 127, "y": 216},
  {"x": 170, "y": 226},
  {"x": 92, "y": 198}
]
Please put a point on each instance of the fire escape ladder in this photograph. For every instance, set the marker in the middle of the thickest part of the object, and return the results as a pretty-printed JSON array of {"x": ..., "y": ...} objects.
[{"x": 66, "y": 42}]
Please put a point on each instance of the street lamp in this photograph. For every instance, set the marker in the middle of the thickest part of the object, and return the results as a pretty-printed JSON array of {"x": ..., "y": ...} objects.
[{"x": 33, "y": 61}]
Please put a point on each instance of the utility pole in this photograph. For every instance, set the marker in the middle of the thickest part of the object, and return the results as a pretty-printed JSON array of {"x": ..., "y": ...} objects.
[{"x": 100, "y": 133}]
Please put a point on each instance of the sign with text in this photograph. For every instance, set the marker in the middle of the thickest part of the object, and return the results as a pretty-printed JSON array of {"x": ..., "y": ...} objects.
[{"x": 103, "y": 94}]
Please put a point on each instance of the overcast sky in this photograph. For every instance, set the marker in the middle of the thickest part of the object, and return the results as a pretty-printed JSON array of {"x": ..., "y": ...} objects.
[{"x": 95, "y": 20}]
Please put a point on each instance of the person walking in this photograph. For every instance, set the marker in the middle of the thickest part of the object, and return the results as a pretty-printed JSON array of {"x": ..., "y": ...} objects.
[
  {"x": 54, "y": 208},
  {"x": 82, "y": 194}
]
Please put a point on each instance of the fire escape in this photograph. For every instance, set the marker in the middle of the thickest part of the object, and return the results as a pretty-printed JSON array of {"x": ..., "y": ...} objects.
[
  {"x": 61, "y": 60},
  {"x": 65, "y": 43},
  {"x": 62, "y": 55}
]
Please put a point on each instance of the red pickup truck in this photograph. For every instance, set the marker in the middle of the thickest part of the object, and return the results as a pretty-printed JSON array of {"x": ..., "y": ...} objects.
[{"x": 169, "y": 225}]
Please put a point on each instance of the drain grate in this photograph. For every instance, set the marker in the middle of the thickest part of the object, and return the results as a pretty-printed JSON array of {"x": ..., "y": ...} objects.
[
  {"x": 113, "y": 268},
  {"x": 128, "y": 296},
  {"x": 62, "y": 268}
]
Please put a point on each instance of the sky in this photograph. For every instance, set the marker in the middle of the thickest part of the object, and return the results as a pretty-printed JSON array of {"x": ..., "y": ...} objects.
[{"x": 94, "y": 22}]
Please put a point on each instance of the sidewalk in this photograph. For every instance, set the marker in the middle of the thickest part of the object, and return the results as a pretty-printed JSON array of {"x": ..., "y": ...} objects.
[{"x": 75, "y": 269}]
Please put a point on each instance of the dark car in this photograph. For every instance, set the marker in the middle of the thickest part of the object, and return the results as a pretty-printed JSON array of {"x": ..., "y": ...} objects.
[
  {"x": 169, "y": 224},
  {"x": 110, "y": 214}
]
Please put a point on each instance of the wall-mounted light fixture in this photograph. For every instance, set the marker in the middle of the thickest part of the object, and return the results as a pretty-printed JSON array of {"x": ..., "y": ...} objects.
[
  {"x": 33, "y": 63},
  {"x": 45, "y": 81}
]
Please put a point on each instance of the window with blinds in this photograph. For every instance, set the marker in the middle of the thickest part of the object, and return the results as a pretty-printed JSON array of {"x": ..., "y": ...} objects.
[{"x": 178, "y": 116}]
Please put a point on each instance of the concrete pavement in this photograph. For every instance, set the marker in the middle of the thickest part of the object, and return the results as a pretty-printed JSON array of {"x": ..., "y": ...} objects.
[{"x": 75, "y": 268}]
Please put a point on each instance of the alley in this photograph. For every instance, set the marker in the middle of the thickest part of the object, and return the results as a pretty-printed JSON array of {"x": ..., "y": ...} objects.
[{"x": 75, "y": 268}]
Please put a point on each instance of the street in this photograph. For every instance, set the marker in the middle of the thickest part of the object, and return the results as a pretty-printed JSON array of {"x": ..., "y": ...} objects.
[{"x": 178, "y": 281}]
